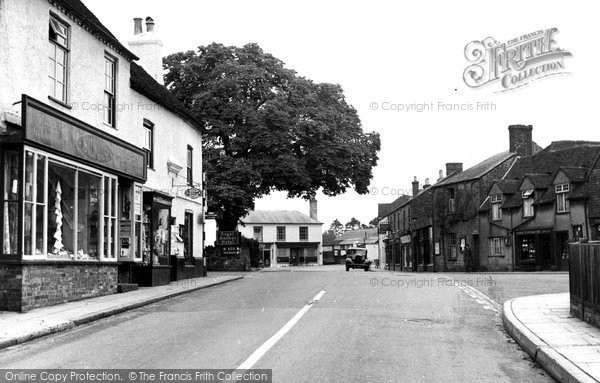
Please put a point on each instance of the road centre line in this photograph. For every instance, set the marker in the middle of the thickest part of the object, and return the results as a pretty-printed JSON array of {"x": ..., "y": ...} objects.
[{"x": 262, "y": 350}]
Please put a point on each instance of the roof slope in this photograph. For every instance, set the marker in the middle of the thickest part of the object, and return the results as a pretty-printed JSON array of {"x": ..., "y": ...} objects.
[
  {"x": 278, "y": 216},
  {"x": 80, "y": 11},
  {"x": 477, "y": 171},
  {"x": 143, "y": 83}
]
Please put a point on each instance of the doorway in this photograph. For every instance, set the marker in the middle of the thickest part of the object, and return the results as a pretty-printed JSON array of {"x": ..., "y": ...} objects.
[{"x": 295, "y": 254}]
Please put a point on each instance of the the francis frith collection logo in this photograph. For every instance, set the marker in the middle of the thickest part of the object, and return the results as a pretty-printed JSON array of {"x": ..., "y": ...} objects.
[{"x": 515, "y": 63}]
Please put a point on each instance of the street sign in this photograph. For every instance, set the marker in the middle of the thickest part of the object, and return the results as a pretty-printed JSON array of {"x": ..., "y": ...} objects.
[
  {"x": 231, "y": 250},
  {"x": 228, "y": 238},
  {"x": 384, "y": 228},
  {"x": 193, "y": 193}
]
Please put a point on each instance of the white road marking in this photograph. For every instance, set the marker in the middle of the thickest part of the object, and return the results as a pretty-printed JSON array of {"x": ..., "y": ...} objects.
[{"x": 262, "y": 350}]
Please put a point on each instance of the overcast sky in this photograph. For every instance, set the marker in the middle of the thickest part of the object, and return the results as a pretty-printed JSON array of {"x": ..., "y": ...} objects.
[{"x": 398, "y": 53}]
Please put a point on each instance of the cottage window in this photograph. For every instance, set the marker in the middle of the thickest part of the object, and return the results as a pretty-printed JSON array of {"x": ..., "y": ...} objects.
[
  {"x": 258, "y": 233},
  {"x": 495, "y": 247},
  {"x": 496, "y": 207},
  {"x": 451, "y": 201},
  {"x": 562, "y": 203},
  {"x": 453, "y": 243},
  {"x": 58, "y": 34},
  {"x": 110, "y": 85},
  {"x": 281, "y": 233},
  {"x": 528, "y": 210},
  {"x": 303, "y": 233}
]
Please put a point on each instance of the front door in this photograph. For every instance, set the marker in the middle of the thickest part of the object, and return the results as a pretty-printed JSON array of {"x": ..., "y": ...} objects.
[
  {"x": 546, "y": 254},
  {"x": 295, "y": 256},
  {"x": 188, "y": 238}
]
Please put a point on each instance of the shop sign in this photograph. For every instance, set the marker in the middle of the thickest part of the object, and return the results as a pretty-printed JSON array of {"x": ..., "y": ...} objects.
[
  {"x": 56, "y": 130},
  {"x": 228, "y": 238},
  {"x": 230, "y": 250},
  {"x": 193, "y": 193},
  {"x": 161, "y": 200},
  {"x": 384, "y": 228},
  {"x": 537, "y": 231},
  {"x": 405, "y": 239}
]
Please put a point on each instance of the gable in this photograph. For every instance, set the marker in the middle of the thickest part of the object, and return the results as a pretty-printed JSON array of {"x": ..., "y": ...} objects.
[
  {"x": 495, "y": 189},
  {"x": 561, "y": 178},
  {"x": 526, "y": 185}
]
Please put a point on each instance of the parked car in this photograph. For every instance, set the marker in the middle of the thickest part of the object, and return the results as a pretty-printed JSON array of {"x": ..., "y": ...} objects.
[{"x": 357, "y": 258}]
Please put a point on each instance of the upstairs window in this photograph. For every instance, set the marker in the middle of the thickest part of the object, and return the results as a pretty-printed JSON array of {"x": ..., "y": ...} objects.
[
  {"x": 110, "y": 85},
  {"x": 303, "y": 233},
  {"x": 58, "y": 34},
  {"x": 562, "y": 203},
  {"x": 451, "y": 201},
  {"x": 281, "y": 233},
  {"x": 528, "y": 210},
  {"x": 149, "y": 143},
  {"x": 190, "y": 159},
  {"x": 496, "y": 207},
  {"x": 258, "y": 233}
]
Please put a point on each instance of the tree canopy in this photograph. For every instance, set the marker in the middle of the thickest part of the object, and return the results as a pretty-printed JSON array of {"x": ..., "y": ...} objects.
[{"x": 267, "y": 129}]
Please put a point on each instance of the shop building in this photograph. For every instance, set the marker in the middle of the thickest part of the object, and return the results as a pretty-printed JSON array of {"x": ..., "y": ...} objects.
[
  {"x": 286, "y": 237},
  {"x": 87, "y": 196}
]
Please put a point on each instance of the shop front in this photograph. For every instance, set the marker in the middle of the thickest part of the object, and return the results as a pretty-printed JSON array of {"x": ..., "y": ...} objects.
[
  {"x": 534, "y": 250},
  {"x": 61, "y": 207}
]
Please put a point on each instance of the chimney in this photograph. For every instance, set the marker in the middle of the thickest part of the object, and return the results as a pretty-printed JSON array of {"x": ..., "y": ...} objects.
[
  {"x": 426, "y": 184},
  {"x": 415, "y": 185},
  {"x": 441, "y": 175},
  {"x": 148, "y": 47},
  {"x": 137, "y": 26},
  {"x": 453, "y": 168},
  {"x": 520, "y": 139},
  {"x": 149, "y": 24},
  {"x": 313, "y": 208}
]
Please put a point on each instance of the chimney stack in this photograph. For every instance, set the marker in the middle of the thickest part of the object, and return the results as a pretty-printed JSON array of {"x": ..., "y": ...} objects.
[
  {"x": 415, "y": 187},
  {"x": 313, "y": 208},
  {"x": 148, "y": 47},
  {"x": 441, "y": 175},
  {"x": 453, "y": 168},
  {"x": 426, "y": 184},
  {"x": 149, "y": 24},
  {"x": 521, "y": 142},
  {"x": 137, "y": 26}
]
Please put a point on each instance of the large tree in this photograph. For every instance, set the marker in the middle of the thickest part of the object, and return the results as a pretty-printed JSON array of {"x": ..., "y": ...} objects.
[{"x": 268, "y": 129}]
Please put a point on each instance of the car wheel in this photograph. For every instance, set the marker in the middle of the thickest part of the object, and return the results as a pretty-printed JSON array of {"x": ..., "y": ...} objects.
[{"x": 347, "y": 268}]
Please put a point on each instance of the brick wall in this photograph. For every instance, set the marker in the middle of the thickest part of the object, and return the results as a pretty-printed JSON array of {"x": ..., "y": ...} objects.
[{"x": 47, "y": 284}]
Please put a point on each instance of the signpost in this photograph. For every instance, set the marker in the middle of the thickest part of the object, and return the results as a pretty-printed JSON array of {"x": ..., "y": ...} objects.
[{"x": 229, "y": 242}]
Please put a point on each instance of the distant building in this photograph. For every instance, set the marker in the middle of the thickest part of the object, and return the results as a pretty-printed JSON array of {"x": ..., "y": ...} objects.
[
  {"x": 286, "y": 237},
  {"x": 367, "y": 238}
]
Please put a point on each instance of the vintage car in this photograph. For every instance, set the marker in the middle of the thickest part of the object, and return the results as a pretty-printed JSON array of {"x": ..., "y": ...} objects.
[{"x": 357, "y": 258}]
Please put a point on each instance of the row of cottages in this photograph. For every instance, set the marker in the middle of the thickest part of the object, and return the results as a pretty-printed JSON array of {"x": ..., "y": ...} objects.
[
  {"x": 517, "y": 210},
  {"x": 285, "y": 237},
  {"x": 97, "y": 160}
]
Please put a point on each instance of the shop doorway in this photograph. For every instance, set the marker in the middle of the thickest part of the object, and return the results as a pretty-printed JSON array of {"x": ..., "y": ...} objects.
[
  {"x": 295, "y": 256},
  {"x": 188, "y": 237}
]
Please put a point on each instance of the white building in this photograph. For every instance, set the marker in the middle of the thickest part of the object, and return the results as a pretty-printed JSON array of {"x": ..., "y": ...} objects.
[
  {"x": 95, "y": 158},
  {"x": 286, "y": 237}
]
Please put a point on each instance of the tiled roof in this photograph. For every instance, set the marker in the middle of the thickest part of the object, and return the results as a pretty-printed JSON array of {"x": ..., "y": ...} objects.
[
  {"x": 77, "y": 9},
  {"x": 508, "y": 186},
  {"x": 351, "y": 236},
  {"x": 539, "y": 181},
  {"x": 279, "y": 216},
  {"x": 143, "y": 83},
  {"x": 575, "y": 174},
  {"x": 477, "y": 171},
  {"x": 397, "y": 203}
]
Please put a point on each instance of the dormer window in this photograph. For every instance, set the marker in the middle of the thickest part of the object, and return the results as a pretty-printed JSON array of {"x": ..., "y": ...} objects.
[
  {"x": 496, "y": 201},
  {"x": 528, "y": 210},
  {"x": 562, "y": 203}
]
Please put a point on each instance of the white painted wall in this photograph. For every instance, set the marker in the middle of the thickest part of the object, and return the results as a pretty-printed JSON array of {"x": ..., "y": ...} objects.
[{"x": 24, "y": 70}]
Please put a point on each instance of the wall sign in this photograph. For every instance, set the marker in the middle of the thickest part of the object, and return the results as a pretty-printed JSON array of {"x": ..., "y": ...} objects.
[
  {"x": 228, "y": 238},
  {"x": 56, "y": 130},
  {"x": 193, "y": 193}
]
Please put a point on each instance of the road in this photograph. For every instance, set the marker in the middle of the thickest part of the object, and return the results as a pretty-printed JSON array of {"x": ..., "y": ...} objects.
[{"x": 378, "y": 326}]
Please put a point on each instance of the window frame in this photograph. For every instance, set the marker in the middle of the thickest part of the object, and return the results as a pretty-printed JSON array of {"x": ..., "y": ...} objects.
[
  {"x": 528, "y": 199},
  {"x": 561, "y": 191},
  {"x": 496, "y": 207},
  {"x": 149, "y": 127},
  {"x": 300, "y": 230},
  {"x": 452, "y": 200},
  {"x": 258, "y": 233},
  {"x": 66, "y": 49},
  {"x": 110, "y": 106},
  {"x": 190, "y": 165},
  {"x": 496, "y": 243},
  {"x": 281, "y": 233},
  {"x": 453, "y": 246}
]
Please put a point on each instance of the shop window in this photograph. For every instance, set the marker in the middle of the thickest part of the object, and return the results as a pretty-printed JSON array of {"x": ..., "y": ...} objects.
[
  {"x": 88, "y": 215},
  {"x": 109, "y": 222},
  {"x": 258, "y": 233},
  {"x": 110, "y": 85},
  {"x": 34, "y": 214},
  {"x": 61, "y": 215},
  {"x": 281, "y": 233},
  {"x": 10, "y": 211},
  {"x": 137, "y": 216},
  {"x": 562, "y": 203},
  {"x": 58, "y": 34},
  {"x": 496, "y": 201},
  {"x": 303, "y": 233}
]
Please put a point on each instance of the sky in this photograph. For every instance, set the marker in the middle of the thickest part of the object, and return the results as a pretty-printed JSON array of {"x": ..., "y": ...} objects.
[{"x": 391, "y": 55}]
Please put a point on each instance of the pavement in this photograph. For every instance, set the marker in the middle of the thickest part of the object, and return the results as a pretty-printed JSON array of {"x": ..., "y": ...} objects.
[
  {"x": 16, "y": 328},
  {"x": 566, "y": 347}
]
